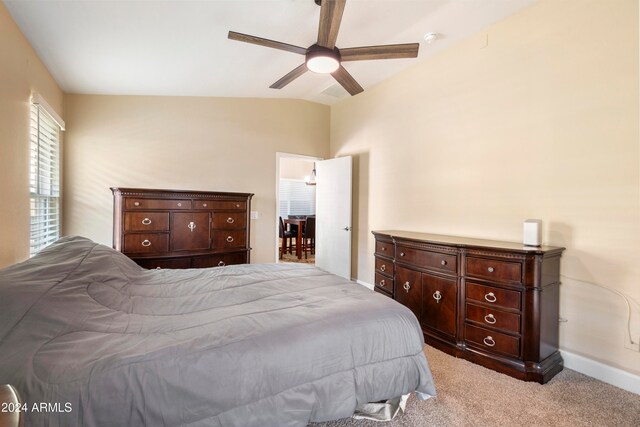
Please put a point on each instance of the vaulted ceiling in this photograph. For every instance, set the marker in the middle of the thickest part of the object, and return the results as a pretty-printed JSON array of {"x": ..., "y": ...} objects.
[{"x": 180, "y": 48}]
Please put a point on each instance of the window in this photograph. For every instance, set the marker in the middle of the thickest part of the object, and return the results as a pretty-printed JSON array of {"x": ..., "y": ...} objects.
[
  {"x": 296, "y": 198},
  {"x": 44, "y": 174}
]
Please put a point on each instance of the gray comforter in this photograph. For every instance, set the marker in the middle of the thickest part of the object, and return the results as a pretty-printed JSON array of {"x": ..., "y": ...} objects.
[{"x": 91, "y": 339}]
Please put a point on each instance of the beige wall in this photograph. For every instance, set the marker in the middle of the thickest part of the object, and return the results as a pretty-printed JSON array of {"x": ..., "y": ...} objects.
[
  {"x": 21, "y": 73},
  {"x": 541, "y": 123},
  {"x": 292, "y": 168},
  {"x": 192, "y": 143}
]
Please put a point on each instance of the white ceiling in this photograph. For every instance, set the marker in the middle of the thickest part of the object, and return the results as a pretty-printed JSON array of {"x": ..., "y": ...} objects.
[{"x": 180, "y": 47}]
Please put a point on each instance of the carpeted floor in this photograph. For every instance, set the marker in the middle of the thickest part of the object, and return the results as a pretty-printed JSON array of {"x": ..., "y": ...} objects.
[
  {"x": 311, "y": 259},
  {"x": 470, "y": 395}
]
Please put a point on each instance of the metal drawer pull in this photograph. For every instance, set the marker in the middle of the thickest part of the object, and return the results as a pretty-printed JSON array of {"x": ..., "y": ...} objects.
[
  {"x": 136, "y": 204},
  {"x": 230, "y": 220},
  {"x": 437, "y": 296},
  {"x": 191, "y": 226},
  {"x": 229, "y": 239},
  {"x": 406, "y": 286},
  {"x": 490, "y": 319},
  {"x": 489, "y": 341},
  {"x": 443, "y": 262},
  {"x": 382, "y": 283},
  {"x": 204, "y": 205},
  {"x": 490, "y": 297},
  {"x": 490, "y": 269},
  {"x": 146, "y": 221},
  {"x": 383, "y": 248},
  {"x": 383, "y": 267},
  {"x": 401, "y": 253},
  {"x": 221, "y": 264},
  {"x": 237, "y": 205},
  {"x": 179, "y": 204},
  {"x": 145, "y": 243}
]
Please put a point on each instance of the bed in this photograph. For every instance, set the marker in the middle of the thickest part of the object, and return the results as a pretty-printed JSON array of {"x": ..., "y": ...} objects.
[{"x": 89, "y": 338}]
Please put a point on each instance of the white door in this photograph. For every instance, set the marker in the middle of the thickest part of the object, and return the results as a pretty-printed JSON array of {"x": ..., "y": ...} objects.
[{"x": 333, "y": 216}]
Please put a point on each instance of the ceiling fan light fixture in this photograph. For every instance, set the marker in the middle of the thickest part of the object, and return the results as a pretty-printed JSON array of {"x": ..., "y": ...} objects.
[
  {"x": 322, "y": 60},
  {"x": 323, "y": 64}
]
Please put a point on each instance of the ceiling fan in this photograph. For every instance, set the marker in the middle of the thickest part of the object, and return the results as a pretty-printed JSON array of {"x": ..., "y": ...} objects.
[{"x": 324, "y": 56}]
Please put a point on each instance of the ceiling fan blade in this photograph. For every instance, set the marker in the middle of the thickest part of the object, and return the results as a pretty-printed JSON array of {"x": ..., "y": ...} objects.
[
  {"x": 266, "y": 42},
  {"x": 330, "y": 17},
  {"x": 289, "y": 77},
  {"x": 343, "y": 77},
  {"x": 390, "y": 51}
]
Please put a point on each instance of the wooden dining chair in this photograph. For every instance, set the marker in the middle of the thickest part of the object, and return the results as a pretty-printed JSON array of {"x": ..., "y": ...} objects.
[
  {"x": 309, "y": 236},
  {"x": 286, "y": 239}
]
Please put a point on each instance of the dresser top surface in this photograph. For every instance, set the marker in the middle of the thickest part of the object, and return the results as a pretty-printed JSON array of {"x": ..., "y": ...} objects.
[
  {"x": 150, "y": 192},
  {"x": 459, "y": 241}
]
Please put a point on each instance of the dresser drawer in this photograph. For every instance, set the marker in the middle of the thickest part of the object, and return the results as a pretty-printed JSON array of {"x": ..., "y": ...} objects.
[
  {"x": 498, "y": 271},
  {"x": 384, "y": 283},
  {"x": 157, "y": 203},
  {"x": 493, "y": 318},
  {"x": 384, "y": 248},
  {"x": 146, "y": 243},
  {"x": 228, "y": 239},
  {"x": 159, "y": 263},
  {"x": 229, "y": 220},
  {"x": 384, "y": 266},
  {"x": 146, "y": 221},
  {"x": 489, "y": 295},
  {"x": 219, "y": 260},
  {"x": 493, "y": 341},
  {"x": 427, "y": 259},
  {"x": 220, "y": 205}
]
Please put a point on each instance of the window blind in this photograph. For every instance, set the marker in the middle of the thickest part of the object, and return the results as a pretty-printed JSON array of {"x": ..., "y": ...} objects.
[
  {"x": 44, "y": 180},
  {"x": 296, "y": 198}
]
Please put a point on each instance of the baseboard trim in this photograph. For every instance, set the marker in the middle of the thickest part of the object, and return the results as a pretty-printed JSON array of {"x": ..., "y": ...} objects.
[
  {"x": 365, "y": 284},
  {"x": 608, "y": 374}
]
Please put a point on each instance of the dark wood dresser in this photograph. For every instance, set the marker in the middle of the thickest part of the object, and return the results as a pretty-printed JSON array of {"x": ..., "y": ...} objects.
[
  {"x": 181, "y": 229},
  {"x": 493, "y": 303}
]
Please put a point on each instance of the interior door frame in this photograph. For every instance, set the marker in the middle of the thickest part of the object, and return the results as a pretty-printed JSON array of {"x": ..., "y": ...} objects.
[{"x": 281, "y": 155}]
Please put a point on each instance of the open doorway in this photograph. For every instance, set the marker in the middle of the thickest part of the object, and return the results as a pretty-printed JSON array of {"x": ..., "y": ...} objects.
[{"x": 296, "y": 208}]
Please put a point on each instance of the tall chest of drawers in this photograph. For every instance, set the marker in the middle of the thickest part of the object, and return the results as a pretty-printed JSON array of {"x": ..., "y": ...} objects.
[
  {"x": 181, "y": 229},
  {"x": 493, "y": 303}
]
